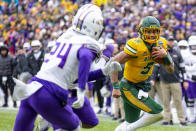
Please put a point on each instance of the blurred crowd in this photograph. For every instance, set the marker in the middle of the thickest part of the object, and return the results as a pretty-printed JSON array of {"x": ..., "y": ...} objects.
[{"x": 26, "y": 20}]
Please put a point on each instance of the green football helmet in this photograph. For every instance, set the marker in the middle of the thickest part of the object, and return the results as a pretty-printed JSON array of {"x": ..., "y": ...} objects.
[{"x": 150, "y": 29}]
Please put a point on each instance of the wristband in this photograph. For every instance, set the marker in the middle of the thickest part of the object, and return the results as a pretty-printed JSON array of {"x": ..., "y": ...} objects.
[
  {"x": 167, "y": 59},
  {"x": 115, "y": 85}
]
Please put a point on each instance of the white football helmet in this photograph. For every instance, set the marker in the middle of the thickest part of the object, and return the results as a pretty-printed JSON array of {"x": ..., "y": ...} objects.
[
  {"x": 192, "y": 45},
  {"x": 1, "y": 44},
  {"x": 36, "y": 43},
  {"x": 192, "y": 37},
  {"x": 89, "y": 21},
  {"x": 26, "y": 45},
  {"x": 183, "y": 43}
]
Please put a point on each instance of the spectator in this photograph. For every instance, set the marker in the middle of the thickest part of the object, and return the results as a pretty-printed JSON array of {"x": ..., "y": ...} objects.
[
  {"x": 155, "y": 81},
  {"x": 98, "y": 84},
  {"x": 22, "y": 69},
  {"x": 26, "y": 48},
  {"x": 36, "y": 57},
  {"x": 118, "y": 102},
  {"x": 191, "y": 91},
  {"x": 170, "y": 86},
  {"x": 7, "y": 65}
]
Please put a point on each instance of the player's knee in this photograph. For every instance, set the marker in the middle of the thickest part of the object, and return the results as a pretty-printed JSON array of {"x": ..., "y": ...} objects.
[
  {"x": 160, "y": 109},
  {"x": 157, "y": 109},
  {"x": 90, "y": 124}
]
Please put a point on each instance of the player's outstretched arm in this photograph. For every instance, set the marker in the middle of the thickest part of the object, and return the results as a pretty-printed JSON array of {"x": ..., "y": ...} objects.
[
  {"x": 121, "y": 57},
  {"x": 160, "y": 56},
  {"x": 85, "y": 57}
]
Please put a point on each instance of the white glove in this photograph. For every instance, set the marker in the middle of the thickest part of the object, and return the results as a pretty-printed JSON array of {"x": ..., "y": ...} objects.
[
  {"x": 142, "y": 94},
  {"x": 80, "y": 99},
  {"x": 105, "y": 92},
  {"x": 4, "y": 79},
  {"x": 110, "y": 67}
]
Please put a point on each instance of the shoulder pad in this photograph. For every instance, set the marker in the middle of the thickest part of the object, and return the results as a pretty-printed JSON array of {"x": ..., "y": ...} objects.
[
  {"x": 70, "y": 36},
  {"x": 94, "y": 45},
  {"x": 67, "y": 35}
]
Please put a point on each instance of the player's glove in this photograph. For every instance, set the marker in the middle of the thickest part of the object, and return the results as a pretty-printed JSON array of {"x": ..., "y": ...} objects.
[
  {"x": 110, "y": 67},
  {"x": 80, "y": 99},
  {"x": 142, "y": 94},
  {"x": 105, "y": 92}
]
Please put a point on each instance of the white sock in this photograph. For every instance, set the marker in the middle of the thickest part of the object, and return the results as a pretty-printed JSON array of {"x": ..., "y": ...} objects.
[
  {"x": 109, "y": 109},
  {"x": 190, "y": 112},
  {"x": 122, "y": 126},
  {"x": 92, "y": 101},
  {"x": 184, "y": 106},
  {"x": 77, "y": 129},
  {"x": 145, "y": 120}
]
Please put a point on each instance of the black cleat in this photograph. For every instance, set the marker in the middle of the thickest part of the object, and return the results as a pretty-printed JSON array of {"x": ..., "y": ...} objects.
[
  {"x": 4, "y": 105},
  {"x": 171, "y": 122},
  {"x": 183, "y": 123},
  {"x": 165, "y": 123}
]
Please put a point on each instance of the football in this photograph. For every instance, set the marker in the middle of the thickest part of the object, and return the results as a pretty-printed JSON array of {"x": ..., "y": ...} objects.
[{"x": 157, "y": 54}]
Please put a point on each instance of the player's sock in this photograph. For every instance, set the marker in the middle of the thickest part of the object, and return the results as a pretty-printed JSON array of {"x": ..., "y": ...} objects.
[
  {"x": 122, "y": 126},
  {"x": 190, "y": 112},
  {"x": 145, "y": 120},
  {"x": 190, "y": 109},
  {"x": 91, "y": 101},
  {"x": 184, "y": 107},
  {"x": 43, "y": 125}
]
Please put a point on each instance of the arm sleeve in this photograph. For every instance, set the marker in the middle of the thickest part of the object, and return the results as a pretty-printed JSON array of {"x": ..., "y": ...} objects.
[
  {"x": 85, "y": 57},
  {"x": 94, "y": 75}
]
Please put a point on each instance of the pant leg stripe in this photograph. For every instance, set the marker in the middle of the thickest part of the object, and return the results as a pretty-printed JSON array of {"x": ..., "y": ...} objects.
[{"x": 135, "y": 101}]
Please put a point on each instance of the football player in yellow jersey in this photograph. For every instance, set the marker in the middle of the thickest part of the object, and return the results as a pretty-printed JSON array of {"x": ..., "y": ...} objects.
[{"x": 139, "y": 55}]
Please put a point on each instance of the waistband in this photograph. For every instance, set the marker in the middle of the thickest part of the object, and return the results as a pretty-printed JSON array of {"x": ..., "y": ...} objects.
[{"x": 144, "y": 85}]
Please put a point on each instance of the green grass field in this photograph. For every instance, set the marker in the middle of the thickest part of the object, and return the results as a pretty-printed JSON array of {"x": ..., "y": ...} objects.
[{"x": 7, "y": 118}]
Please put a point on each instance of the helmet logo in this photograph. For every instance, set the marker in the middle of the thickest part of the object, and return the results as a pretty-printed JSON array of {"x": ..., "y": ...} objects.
[
  {"x": 79, "y": 24},
  {"x": 82, "y": 18}
]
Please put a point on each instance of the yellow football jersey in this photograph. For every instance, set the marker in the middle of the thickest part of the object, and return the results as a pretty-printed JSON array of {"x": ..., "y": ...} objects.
[{"x": 140, "y": 67}]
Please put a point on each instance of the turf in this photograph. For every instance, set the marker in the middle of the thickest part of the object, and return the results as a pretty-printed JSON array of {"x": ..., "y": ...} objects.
[{"x": 7, "y": 118}]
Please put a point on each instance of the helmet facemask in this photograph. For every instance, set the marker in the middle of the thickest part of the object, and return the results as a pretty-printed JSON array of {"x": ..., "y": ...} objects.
[
  {"x": 150, "y": 34},
  {"x": 183, "y": 47},
  {"x": 150, "y": 29}
]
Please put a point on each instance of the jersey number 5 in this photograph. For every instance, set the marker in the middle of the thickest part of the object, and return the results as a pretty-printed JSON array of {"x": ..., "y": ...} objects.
[{"x": 147, "y": 68}]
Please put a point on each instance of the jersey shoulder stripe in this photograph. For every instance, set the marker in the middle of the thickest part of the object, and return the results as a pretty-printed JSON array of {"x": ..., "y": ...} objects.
[
  {"x": 131, "y": 47},
  {"x": 128, "y": 47}
]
